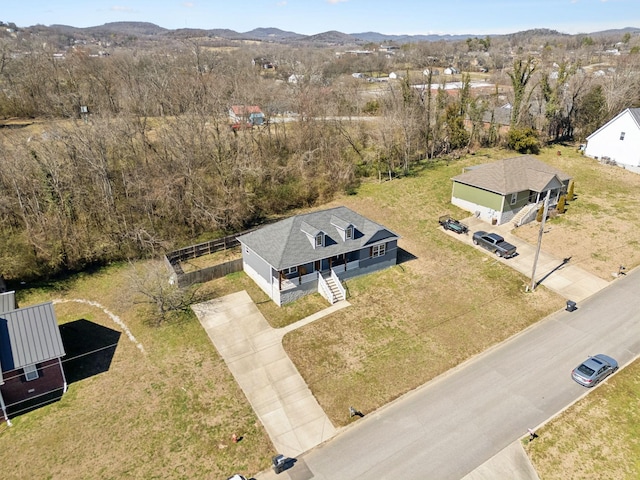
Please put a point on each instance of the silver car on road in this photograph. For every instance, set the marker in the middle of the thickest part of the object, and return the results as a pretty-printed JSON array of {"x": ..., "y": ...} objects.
[{"x": 594, "y": 369}]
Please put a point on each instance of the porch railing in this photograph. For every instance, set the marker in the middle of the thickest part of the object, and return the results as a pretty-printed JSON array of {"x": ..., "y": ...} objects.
[
  {"x": 290, "y": 283},
  {"x": 353, "y": 265}
]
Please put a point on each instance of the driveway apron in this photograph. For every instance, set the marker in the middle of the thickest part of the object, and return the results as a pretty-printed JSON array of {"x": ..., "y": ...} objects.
[
  {"x": 253, "y": 351},
  {"x": 558, "y": 275}
]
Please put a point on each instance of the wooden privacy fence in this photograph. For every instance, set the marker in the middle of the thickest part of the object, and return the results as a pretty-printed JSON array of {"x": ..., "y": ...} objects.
[
  {"x": 184, "y": 279},
  {"x": 206, "y": 248},
  {"x": 209, "y": 273}
]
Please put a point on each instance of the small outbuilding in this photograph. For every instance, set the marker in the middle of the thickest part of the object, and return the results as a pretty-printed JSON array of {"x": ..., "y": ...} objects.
[
  {"x": 30, "y": 355},
  {"x": 249, "y": 115}
]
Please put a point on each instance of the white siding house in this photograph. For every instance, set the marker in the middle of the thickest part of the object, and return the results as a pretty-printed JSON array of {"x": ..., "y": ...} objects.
[{"x": 618, "y": 139}]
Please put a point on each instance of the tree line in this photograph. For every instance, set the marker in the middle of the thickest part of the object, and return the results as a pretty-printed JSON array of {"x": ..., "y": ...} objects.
[{"x": 153, "y": 164}]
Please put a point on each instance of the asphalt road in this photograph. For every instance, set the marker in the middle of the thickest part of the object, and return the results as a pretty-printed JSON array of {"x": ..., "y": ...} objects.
[{"x": 455, "y": 423}]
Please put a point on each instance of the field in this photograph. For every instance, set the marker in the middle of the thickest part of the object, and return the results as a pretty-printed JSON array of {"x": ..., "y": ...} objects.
[{"x": 169, "y": 410}]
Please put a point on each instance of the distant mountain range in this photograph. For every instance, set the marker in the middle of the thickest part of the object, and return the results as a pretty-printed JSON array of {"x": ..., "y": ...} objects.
[{"x": 145, "y": 29}]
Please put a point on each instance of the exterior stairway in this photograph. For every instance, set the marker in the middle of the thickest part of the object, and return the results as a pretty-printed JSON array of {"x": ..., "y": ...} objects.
[
  {"x": 517, "y": 220},
  {"x": 335, "y": 291}
]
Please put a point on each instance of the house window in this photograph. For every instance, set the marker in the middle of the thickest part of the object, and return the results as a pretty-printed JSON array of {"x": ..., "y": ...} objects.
[
  {"x": 290, "y": 270},
  {"x": 378, "y": 250},
  {"x": 514, "y": 198},
  {"x": 30, "y": 372},
  {"x": 621, "y": 135},
  {"x": 319, "y": 240},
  {"x": 348, "y": 234}
]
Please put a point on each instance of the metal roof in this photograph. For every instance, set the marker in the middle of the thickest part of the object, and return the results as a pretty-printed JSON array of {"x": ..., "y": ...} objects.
[
  {"x": 513, "y": 175},
  {"x": 286, "y": 243},
  {"x": 28, "y": 336},
  {"x": 7, "y": 301}
]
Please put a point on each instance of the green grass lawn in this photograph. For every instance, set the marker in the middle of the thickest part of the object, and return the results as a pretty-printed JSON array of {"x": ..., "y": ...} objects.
[
  {"x": 170, "y": 412},
  {"x": 597, "y": 438},
  {"x": 166, "y": 413}
]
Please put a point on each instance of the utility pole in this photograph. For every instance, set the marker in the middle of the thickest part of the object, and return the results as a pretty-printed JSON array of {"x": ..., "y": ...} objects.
[{"x": 544, "y": 220}]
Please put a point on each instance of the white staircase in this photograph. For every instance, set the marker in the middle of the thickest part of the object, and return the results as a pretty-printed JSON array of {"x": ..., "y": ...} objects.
[
  {"x": 335, "y": 292},
  {"x": 520, "y": 217}
]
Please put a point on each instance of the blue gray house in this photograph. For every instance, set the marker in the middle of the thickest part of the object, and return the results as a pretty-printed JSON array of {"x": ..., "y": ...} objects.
[{"x": 315, "y": 252}]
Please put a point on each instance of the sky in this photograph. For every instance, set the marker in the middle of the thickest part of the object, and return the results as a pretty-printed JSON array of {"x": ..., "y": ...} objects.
[{"x": 392, "y": 17}]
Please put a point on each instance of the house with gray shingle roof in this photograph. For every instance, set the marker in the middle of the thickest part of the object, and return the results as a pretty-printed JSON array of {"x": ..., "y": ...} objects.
[
  {"x": 316, "y": 252},
  {"x": 30, "y": 355},
  {"x": 618, "y": 139},
  {"x": 509, "y": 190}
]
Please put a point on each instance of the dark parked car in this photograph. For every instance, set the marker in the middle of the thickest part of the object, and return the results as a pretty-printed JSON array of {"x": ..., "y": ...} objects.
[
  {"x": 494, "y": 243},
  {"x": 452, "y": 224},
  {"x": 594, "y": 369}
]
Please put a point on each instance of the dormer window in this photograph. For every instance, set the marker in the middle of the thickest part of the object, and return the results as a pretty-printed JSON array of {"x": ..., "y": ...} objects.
[
  {"x": 345, "y": 229},
  {"x": 315, "y": 235}
]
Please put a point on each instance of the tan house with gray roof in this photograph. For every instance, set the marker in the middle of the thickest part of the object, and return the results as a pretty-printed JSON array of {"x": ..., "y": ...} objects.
[{"x": 509, "y": 190}]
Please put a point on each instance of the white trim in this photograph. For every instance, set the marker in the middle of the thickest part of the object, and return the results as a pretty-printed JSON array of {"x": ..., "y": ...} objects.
[{"x": 378, "y": 250}]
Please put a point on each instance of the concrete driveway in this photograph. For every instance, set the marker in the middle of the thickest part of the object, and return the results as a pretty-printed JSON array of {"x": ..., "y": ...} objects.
[
  {"x": 253, "y": 351},
  {"x": 556, "y": 274}
]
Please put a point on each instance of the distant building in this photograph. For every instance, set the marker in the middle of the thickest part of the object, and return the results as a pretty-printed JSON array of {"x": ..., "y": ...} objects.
[
  {"x": 249, "y": 115},
  {"x": 295, "y": 78}
]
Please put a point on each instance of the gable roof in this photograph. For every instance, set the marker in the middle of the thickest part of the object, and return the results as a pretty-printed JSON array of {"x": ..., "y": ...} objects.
[
  {"x": 635, "y": 115},
  {"x": 245, "y": 109},
  {"x": 286, "y": 243},
  {"x": 28, "y": 336},
  {"x": 512, "y": 175}
]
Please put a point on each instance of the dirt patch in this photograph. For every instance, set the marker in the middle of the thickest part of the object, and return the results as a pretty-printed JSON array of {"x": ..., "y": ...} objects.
[{"x": 599, "y": 229}]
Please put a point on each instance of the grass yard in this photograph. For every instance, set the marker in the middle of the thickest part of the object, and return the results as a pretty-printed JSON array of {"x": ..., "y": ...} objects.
[
  {"x": 166, "y": 413},
  {"x": 599, "y": 229},
  {"x": 170, "y": 411},
  {"x": 414, "y": 321},
  {"x": 598, "y": 438},
  {"x": 211, "y": 259}
]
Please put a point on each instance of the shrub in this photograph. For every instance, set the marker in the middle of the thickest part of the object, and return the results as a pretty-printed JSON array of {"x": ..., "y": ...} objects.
[
  {"x": 523, "y": 140},
  {"x": 570, "y": 192},
  {"x": 540, "y": 213},
  {"x": 372, "y": 107},
  {"x": 561, "y": 207}
]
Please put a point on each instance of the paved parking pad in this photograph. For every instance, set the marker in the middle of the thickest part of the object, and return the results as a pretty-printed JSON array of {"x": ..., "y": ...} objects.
[{"x": 567, "y": 280}]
